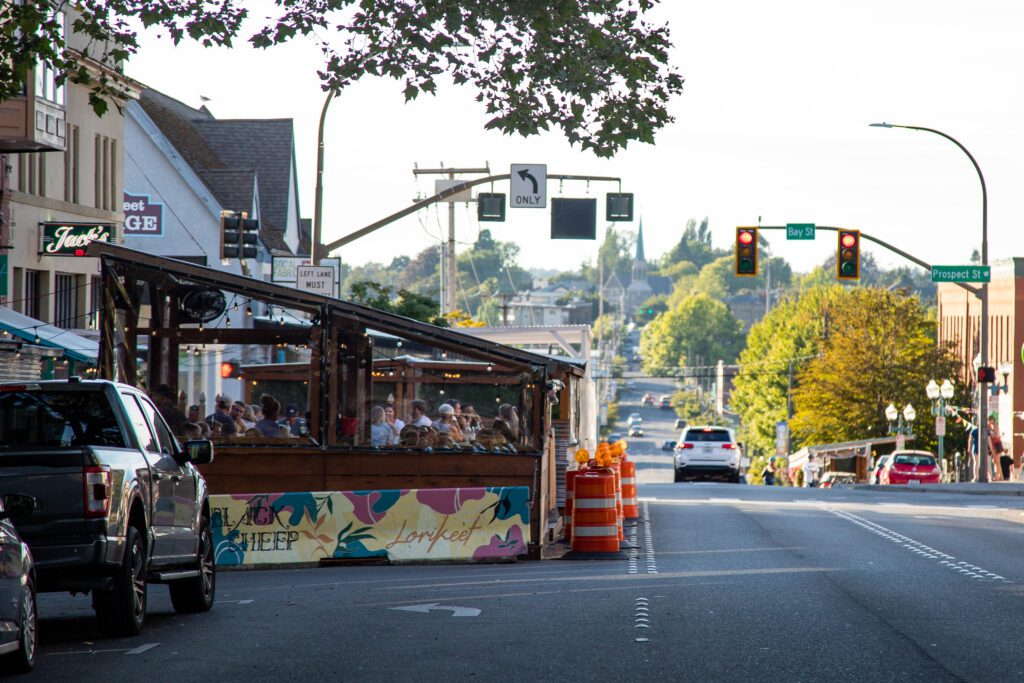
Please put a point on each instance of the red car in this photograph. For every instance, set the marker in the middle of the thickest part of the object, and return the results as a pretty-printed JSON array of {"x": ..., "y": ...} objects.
[{"x": 911, "y": 467}]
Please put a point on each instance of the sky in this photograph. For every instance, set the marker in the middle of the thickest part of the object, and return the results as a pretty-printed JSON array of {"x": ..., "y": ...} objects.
[{"x": 772, "y": 125}]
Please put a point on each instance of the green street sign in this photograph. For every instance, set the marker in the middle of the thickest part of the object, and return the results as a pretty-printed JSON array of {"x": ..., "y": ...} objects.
[
  {"x": 799, "y": 231},
  {"x": 961, "y": 273}
]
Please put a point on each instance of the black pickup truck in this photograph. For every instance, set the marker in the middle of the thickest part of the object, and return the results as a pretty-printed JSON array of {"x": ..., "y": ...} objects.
[{"x": 118, "y": 501}]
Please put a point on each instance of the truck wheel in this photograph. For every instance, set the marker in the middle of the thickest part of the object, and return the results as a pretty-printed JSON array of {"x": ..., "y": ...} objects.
[
  {"x": 24, "y": 658},
  {"x": 196, "y": 595},
  {"x": 121, "y": 611}
]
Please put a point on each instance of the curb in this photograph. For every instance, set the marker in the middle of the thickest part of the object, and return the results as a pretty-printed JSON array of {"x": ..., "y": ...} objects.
[{"x": 974, "y": 490}]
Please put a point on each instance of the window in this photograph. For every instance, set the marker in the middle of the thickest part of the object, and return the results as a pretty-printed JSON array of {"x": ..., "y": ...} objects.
[
  {"x": 718, "y": 435},
  {"x": 47, "y": 87},
  {"x": 71, "y": 166},
  {"x": 48, "y": 418},
  {"x": 65, "y": 301},
  {"x": 163, "y": 434},
  {"x": 95, "y": 301},
  {"x": 105, "y": 192},
  {"x": 31, "y": 301},
  {"x": 141, "y": 426}
]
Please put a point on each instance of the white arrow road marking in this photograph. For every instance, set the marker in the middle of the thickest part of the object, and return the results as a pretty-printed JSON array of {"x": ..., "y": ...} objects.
[{"x": 456, "y": 611}]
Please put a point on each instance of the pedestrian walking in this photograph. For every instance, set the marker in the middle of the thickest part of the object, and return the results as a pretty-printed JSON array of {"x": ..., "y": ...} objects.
[
  {"x": 769, "y": 472},
  {"x": 811, "y": 470},
  {"x": 998, "y": 451}
]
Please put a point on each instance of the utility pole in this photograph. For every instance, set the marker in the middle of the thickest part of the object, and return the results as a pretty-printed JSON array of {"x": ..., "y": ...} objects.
[{"x": 450, "y": 283}]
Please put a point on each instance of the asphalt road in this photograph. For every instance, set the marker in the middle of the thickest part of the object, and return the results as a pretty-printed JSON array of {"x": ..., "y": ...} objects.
[
  {"x": 732, "y": 583},
  {"x": 653, "y": 465}
]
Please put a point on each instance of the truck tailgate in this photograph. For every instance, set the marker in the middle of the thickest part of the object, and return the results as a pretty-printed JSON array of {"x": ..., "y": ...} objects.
[{"x": 55, "y": 479}]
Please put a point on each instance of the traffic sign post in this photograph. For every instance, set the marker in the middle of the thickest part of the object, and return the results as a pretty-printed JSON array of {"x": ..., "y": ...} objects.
[
  {"x": 961, "y": 273},
  {"x": 528, "y": 186},
  {"x": 799, "y": 231}
]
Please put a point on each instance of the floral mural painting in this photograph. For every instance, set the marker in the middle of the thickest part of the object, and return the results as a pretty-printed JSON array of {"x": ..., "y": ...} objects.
[{"x": 458, "y": 524}]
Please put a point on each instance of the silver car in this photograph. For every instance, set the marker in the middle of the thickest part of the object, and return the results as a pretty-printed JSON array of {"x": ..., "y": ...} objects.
[{"x": 19, "y": 622}]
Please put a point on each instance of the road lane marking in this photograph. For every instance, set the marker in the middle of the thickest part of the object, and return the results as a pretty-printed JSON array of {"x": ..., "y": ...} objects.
[
  {"x": 141, "y": 648},
  {"x": 456, "y": 611},
  {"x": 964, "y": 568}
]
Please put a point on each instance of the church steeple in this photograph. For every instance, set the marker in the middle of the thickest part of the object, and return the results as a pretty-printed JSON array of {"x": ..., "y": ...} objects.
[{"x": 639, "y": 262}]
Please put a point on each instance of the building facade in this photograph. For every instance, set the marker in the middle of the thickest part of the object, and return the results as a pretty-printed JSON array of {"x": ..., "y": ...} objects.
[{"x": 959, "y": 316}]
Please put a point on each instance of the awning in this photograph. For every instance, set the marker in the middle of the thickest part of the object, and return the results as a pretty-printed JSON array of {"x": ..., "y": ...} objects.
[{"x": 73, "y": 345}]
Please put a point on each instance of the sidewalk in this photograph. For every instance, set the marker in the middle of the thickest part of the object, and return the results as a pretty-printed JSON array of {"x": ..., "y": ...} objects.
[{"x": 999, "y": 488}]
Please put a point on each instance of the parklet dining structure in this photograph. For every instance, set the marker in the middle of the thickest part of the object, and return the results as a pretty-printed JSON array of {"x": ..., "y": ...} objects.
[{"x": 345, "y": 359}]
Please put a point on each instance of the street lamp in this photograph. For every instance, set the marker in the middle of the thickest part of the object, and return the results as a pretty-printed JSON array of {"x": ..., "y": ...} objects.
[
  {"x": 892, "y": 414},
  {"x": 982, "y": 295},
  {"x": 316, "y": 248},
  {"x": 938, "y": 396}
]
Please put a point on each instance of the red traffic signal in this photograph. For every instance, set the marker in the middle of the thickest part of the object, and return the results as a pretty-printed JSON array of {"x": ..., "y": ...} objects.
[
  {"x": 230, "y": 370},
  {"x": 848, "y": 256},
  {"x": 746, "y": 252},
  {"x": 986, "y": 375}
]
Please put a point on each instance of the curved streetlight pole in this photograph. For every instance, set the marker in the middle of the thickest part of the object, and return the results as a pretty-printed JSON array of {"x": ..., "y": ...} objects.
[
  {"x": 315, "y": 248},
  {"x": 983, "y": 467}
]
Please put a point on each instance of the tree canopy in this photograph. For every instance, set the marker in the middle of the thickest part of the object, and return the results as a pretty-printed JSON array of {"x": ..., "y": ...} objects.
[
  {"x": 596, "y": 69},
  {"x": 698, "y": 329}
]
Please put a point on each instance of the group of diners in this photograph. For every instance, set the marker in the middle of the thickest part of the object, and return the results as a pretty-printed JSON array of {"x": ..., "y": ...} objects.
[
  {"x": 455, "y": 427},
  {"x": 232, "y": 419}
]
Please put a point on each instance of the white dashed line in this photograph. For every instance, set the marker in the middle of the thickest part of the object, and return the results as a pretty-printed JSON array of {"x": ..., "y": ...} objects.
[{"x": 919, "y": 548}]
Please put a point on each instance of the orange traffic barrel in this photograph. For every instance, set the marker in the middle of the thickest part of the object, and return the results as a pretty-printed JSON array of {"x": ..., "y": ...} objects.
[
  {"x": 570, "y": 488},
  {"x": 619, "y": 517},
  {"x": 629, "y": 507},
  {"x": 594, "y": 523}
]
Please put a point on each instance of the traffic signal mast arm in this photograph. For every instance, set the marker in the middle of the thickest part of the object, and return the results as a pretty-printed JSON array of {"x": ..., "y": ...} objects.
[
  {"x": 927, "y": 266},
  {"x": 444, "y": 194}
]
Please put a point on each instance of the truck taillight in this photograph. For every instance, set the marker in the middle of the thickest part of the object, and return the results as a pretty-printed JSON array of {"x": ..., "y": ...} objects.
[
  {"x": 728, "y": 446},
  {"x": 97, "y": 491}
]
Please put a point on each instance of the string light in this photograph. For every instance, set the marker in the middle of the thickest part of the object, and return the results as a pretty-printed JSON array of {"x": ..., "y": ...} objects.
[{"x": 248, "y": 311}]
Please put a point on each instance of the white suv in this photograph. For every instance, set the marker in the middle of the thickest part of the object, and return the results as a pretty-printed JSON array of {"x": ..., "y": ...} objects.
[{"x": 705, "y": 452}]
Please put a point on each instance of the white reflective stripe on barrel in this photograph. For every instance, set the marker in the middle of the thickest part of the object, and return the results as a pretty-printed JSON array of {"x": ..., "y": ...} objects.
[
  {"x": 583, "y": 503},
  {"x": 628, "y": 481},
  {"x": 629, "y": 501},
  {"x": 595, "y": 531}
]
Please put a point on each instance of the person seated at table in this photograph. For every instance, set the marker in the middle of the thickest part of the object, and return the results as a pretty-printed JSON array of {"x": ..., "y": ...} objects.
[
  {"x": 502, "y": 427},
  {"x": 510, "y": 416},
  {"x": 270, "y": 409},
  {"x": 409, "y": 436},
  {"x": 382, "y": 433},
  {"x": 245, "y": 415},
  {"x": 191, "y": 430},
  {"x": 446, "y": 423},
  {"x": 418, "y": 413},
  {"x": 253, "y": 432},
  {"x": 222, "y": 416},
  {"x": 445, "y": 443}
]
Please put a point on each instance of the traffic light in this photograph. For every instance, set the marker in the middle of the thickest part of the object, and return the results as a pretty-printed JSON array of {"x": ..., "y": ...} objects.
[
  {"x": 230, "y": 370},
  {"x": 238, "y": 236},
  {"x": 618, "y": 206},
  {"x": 986, "y": 375},
  {"x": 746, "y": 252},
  {"x": 848, "y": 256},
  {"x": 490, "y": 206}
]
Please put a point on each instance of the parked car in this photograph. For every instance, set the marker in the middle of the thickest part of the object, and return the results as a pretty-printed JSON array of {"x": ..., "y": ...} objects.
[
  {"x": 634, "y": 419},
  {"x": 19, "y": 621},
  {"x": 707, "y": 452},
  {"x": 668, "y": 445},
  {"x": 635, "y": 430},
  {"x": 876, "y": 474},
  {"x": 120, "y": 503},
  {"x": 648, "y": 399},
  {"x": 911, "y": 467},
  {"x": 680, "y": 424}
]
